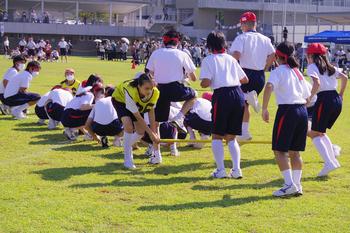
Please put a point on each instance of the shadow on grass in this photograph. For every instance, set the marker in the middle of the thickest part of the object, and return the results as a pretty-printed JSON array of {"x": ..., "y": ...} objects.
[
  {"x": 58, "y": 174},
  {"x": 143, "y": 182},
  {"x": 78, "y": 146},
  {"x": 274, "y": 183},
  {"x": 226, "y": 201},
  {"x": 49, "y": 139},
  {"x": 250, "y": 163},
  {"x": 28, "y": 124},
  {"x": 32, "y": 129}
]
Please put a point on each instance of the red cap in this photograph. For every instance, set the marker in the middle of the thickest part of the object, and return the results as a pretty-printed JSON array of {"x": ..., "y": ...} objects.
[
  {"x": 248, "y": 17},
  {"x": 316, "y": 48}
]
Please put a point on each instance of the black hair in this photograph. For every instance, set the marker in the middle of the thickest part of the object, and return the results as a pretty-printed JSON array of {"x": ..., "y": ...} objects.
[
  {"x": 19, "y": 58},
  {"x": 142, "y": 79},
  {"x": 94, "y": 78},
  {"x": 288, "y": 49},
  {"x": 109, "y": 91},
  {"x": 323, "y": 65},
  {"x": 172, "y": 34},
  {"x": 33, "y": 64},
  {"x": 216, "y": 41}
]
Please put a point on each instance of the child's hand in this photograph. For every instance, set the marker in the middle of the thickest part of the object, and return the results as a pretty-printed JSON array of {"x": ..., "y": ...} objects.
[{"x": 265, "y": 115}]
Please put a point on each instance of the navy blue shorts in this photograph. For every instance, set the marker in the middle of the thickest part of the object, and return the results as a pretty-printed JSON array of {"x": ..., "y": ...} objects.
[
  {"x": 72, "y": 118},
  {"x": 2, "y": 98},
  {"x": 256, "y": 81},
  {"x": 21, "y": 98},
  {"x": 290, "y": 128},
  {"x": 112, "y": 129},
  {"x": 122, "y": 111},
  {"x": 327, "y": 110},
  {"x": 167, "y": 131},
  {"x": 227, "y": 111},
  {"x": 310, "y": 112},
  {"x": 171, "y": 92},
  {"x": 195, "y": 122},
  {"x": 55, "y": 111},
  {"x": 41, "y": 113}
]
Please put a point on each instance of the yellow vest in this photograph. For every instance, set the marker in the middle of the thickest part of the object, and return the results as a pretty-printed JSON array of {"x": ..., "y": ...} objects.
[
  {"x": 74, "y": 86},
  {"x": 144, "y": 106}
]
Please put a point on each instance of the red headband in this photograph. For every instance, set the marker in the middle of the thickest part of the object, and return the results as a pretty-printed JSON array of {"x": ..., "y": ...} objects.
[
  {"x": 281, "y": 54},
  {"x": 167, "y": 39},
  {"x": 219, "y": 51}
]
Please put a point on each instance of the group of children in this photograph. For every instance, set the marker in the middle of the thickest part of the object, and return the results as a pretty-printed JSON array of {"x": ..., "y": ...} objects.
[{"x": 147, "y": 107}]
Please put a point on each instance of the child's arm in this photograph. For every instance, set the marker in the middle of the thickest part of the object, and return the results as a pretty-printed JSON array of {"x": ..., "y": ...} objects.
[
  {"x": 89, "y": 129},
  {"x": 344, "y": 82},
  {"x": 266, "y": 98},
  {"x": 205, "y": 83},
  {"x": 315, "y": 86},
  {"x": 154, "y": 137}
]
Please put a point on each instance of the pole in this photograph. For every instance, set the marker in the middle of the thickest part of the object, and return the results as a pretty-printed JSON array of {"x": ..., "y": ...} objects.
[
  {"x": 76, "y": 12},
  {"x": 7, "y": 6},
  {"x": 110, "y": 13},
  {"x": 140, "y": 16},
  {"x": 42, "y": 7}
]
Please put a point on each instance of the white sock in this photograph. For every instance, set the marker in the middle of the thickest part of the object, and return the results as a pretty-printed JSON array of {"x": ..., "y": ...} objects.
[
  {"x": 135, "y": 138},
  {"x": 191, "y": 133},
  {"x": 323, "y": 151},
  {"x": 128, "y": 157},
  {"x": 157, "y": 153},
  {"x": 297, "y": 177},
  {"x": 327, "y": 141},
  {"x": 287, "y": 175},
  {"x": 245, "y": 128},
  {"x": 173, "y": 146},
  {"x": 218, "y": 150},
  {"x": 235, "y": 152},
  {"x": 22, "y": 107}
]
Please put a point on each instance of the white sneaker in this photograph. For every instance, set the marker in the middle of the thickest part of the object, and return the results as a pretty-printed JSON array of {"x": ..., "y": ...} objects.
[
  {"x": 149, "y": 151},
  {"x": 69, "y": 134},
  {"x": 88, "y": 137},
  {"x": 219, "y": 174},
  {"x": 155, "y": 159},
  {"x": 117, "y": 142},
  {"x": 52, "y": 124},
  {"x": 244, "y": 137},
  {"x": 252, "y": 100},
  {"x": 174, "y": 152},
  {"x": 336, "y": 162},
  {"x": 336, "y": 150},
  {"x": 41, "y": 122},
  {"x": 20, "y": 115},
  {"x": 326, "y": 170},
  {"x": 129, "y": 166},
  {"x": 236, "y": 174},
  {"x": 286, "y": 190},
  {"x": 3, "y": 109},
  {"x": 300, "y": 190},
  {"x": 179, "y": 124}
]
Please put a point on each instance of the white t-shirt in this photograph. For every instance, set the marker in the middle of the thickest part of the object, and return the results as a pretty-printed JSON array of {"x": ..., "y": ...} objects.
[
  {"x": 43, "y": 100},
  {"x": 78, "y": 101},
  {"x": 103, "y": 112},
  {"x": 288, "y": 88},
  {"x": 168, "y": 64},
  {"x": 327, "y": 83},
  {"x": 60, "y": 96},
  {"x": 6, "y": 43},
  {"x": 254, "y": 48},
  {"x": 202, "y": 108},
  {"x": 11, "y": 72},
  {"x": 31, "y": 45},
  {"x": 22, "y": 43},
  {"x": 223, "y": 71},
  {"x": 21, "y": 80},
  {"x": 62, "y": 44}
]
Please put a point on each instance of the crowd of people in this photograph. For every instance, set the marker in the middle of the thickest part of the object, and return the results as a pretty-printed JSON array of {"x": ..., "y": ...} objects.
[
  {"x": 25, "y": 17},
  {"x": 158, "y": 104},
  {"x": 41, "y": 50}
]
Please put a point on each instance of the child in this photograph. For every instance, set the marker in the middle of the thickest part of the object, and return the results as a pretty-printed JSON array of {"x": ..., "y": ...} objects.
[
  {"x": 199, "y": 118},
  {"x": 103, "y": 120},
  {"x": 70, "y": 81},
  {"x": 76, "y": 113},
  {"x": 18, "y": 66},
  {"x": 16, "y": 91},
  {"x": 40, "y": 109},
  {"x": 328, "y": 105},
  {"x": 131, "y": 100},
  {"x": 222, "y": 73},
  {"x": 57, "y": 100},
  {"x": 167, "y": 66},
  {"x": 290, "y": 128}
]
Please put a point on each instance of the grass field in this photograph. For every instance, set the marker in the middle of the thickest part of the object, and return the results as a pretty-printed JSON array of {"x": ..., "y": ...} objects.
[{"x": 50, "y": 185}]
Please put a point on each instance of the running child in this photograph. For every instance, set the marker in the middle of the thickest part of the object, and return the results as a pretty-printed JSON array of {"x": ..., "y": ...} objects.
[
  {"x": 328, "y": 105},
  {"x": 290, "y": 128},
  {"x": 224, "y": 75}
]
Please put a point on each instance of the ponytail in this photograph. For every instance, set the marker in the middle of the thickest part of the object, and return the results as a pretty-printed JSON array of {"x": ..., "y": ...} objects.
[
  {"x": 285, "y": 51},
  {"x": 292, "y": 62},
  {"x": 143, "y": 78},
  {"x": 323, "y": 65}
]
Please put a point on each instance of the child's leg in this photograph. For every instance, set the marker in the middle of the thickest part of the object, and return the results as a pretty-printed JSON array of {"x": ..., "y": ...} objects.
[
  {"x": 218, "y": 151},
  {"x": 330, "y": 149},
  {"x": 128, "y": 138},
  {"x": 321, "y": 146},
  {"x": 283, "y": 164},
  {"x": 297, "y": 164},
  {"x": 235, "y": 151}
]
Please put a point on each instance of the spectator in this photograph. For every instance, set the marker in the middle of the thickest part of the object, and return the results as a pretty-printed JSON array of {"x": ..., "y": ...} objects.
[
  {"x": 46, "y": 17},
  {"x": 33, "y": 16},
  {"x": 165, "y": 13},
  {"x": 6, "y": 46},
  {"x": 124, "y": 48},
  {"x": 197, "y": 55},
  {"x": 5, "y": 16},
  {"x": 24, "y": 16},
  {"x": 70, "y": 47},
  {"x": 31, "y": 46}
]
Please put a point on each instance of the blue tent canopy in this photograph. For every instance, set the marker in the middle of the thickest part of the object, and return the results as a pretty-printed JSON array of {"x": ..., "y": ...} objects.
[{"x": 337, "y": 37}]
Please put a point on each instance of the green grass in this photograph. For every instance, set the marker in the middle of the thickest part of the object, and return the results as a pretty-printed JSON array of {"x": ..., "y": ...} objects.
[{"x": 50, "y": 185}]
